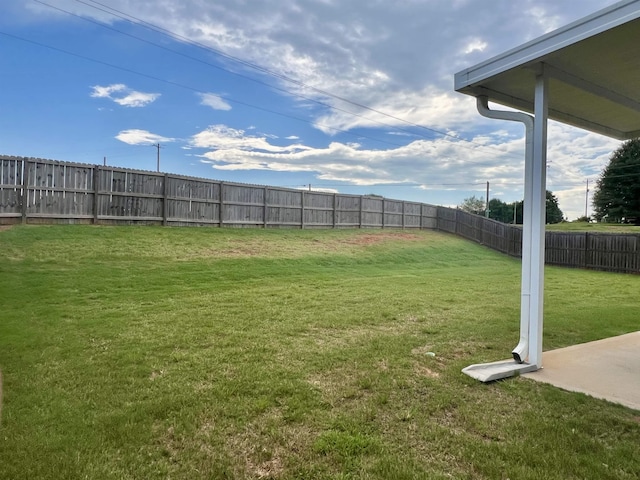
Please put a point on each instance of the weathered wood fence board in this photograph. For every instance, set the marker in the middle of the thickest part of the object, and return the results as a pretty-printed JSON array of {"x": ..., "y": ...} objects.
[
  {"x": 599, "y": 251},
  {"x": 38, "y": 190},
  {"x": 48, "y": 191},
  {"x": 11, "y": 187},
  {"x": 191, "y": 201}
]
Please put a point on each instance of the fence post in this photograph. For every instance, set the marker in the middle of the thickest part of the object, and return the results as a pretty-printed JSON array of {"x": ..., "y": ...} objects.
[
  {"x": 302, "y": 209},
  {"x": 586, "y": 249},
  {"x": 360, "y": 219},
  {"x": 221, "y": 209},
  {"x": 637, "y": 254},
  {"x": 96, "y": 193},
  {"x": 335, "y": 206},
  {"x": 403, "y": 213},
  {"x": 456, "y": 222},
  {"x": 265, "y": 210},
  {"x": 512, "y": 240},
  {"x": 483, "y": 231},
  {"x": 165, "y": 191},
  {"x": 383, "y": 211},
  {"x": 25, "y": 190}
]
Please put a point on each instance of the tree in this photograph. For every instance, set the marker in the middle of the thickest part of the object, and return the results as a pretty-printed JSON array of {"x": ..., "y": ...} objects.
[
  {"x": 500, "y": 211},
  {"x": 473, "y": 205},
  {"x": 505, "y": 212},
  {"x": 553, "y": 212},
  {"x": 617, "y": 191}
]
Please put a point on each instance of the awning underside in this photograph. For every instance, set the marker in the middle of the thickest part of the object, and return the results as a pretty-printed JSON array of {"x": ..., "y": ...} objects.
[{"x": 593, "y": 84}]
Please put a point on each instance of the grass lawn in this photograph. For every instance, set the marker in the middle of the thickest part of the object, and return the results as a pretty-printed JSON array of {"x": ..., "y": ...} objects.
[
  {"x": 183, "y": 353},
  {"x": 593, "y": 227}
]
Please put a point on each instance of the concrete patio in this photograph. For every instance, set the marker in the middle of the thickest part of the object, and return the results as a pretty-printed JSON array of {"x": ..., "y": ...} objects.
[{"x": 608, "y": 369}]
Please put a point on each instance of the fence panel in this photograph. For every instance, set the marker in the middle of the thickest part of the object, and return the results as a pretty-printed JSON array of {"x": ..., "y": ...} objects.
[
  {"x": 243, "y": 204},
  {"x": 372, "y": 212},
  {"x": 130, "y": 196},
  {"x": 58, "y": 191},
  {"x": 318, "y": 210},
  {"x": 11, "y": 187},
  {"x": 430, "y": 217},
  {"x": 611, "y": 252},
  {"x": 565, "y": 248},
  {"x": 284, "y": 208},
  {"x": 447, "y": 219},
  {"x": 468, "y": 226},
  {"x": 496, "y": 235},
  {"x": 393, "y": 213},
  {"x": 192, "y": 201},
  {"x": 348, "y": 211},
  {"x": 412, "y": 215}
]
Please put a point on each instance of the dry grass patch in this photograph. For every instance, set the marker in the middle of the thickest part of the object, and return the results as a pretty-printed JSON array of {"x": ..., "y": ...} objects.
[
  {"x": 302, "y": 246},
  {"x": 268, "y": 446}
]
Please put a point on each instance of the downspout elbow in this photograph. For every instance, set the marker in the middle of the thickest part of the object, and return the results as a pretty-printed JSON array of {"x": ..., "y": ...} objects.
[{"x": 482, "y": 102}]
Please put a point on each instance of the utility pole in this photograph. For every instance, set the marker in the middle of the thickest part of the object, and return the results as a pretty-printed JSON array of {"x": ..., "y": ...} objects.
[
  {"x": 486, "y": 210},
  {"x": 104, "y": 162},
  {"x": 586, "y": 201},
  {"x": 158, "y": 159}
]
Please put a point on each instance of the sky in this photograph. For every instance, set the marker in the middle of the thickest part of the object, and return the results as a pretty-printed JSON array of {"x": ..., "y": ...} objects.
[{"x": 348, "y": 96}]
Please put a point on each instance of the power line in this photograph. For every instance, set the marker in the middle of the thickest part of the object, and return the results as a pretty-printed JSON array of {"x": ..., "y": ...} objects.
[
  {"x": 199, "y": 60},
  {"x": 125, "y": 16},
  {"x": 180, "y": 85},
  {"x": 158, "y": 29},
  {"x": 120, "y": 14}
]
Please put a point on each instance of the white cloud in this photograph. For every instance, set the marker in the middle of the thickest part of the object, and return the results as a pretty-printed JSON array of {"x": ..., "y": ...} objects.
[
  {"x": 214, "y": 101},
  {"x": 224, "y": 138},
  {"x": 106, "y": 92},
  {"x": 123, "y": 95},
  {"x": 439, "y": 164},
  {"x": 428, "y": 161},
  {"x": 475, "y": 45},
  {"x": 398, "y": 60},
  {"x": 364, "y": 51},
  {"x": 136, "y": 99},
  {"x": 141, "y": 137}
]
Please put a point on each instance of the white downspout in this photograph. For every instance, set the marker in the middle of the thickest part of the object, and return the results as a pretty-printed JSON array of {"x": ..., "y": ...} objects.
[{"x": 521, "y": 352}]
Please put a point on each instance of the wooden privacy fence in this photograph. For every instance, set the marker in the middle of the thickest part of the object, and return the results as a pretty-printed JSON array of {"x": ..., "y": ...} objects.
[
  {"x": 599, "y": 251},
  {"x": 48, "y": 191}
]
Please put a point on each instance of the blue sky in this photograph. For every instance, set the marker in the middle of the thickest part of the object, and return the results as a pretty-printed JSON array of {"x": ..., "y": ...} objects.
[{"x": 348, "y": 96}]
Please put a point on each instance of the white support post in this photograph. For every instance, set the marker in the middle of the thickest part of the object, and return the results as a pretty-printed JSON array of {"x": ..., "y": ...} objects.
[
  {"x": 528, "y": 353},
  {"x": 538, "y": 204},
  {"x": 521, "y": 352}
]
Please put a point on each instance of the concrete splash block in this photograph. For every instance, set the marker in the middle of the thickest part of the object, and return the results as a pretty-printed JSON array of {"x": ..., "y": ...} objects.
[{"x": 489, "y": 372}]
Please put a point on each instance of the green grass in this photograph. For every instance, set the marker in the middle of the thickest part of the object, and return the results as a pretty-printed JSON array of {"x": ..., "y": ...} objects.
[
  {"x": 141, "y": 353},
  {"x": 593, "y": 227}
]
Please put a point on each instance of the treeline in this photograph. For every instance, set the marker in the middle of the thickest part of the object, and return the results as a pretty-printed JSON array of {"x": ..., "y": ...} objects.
[{"x": 511, "y": 212}]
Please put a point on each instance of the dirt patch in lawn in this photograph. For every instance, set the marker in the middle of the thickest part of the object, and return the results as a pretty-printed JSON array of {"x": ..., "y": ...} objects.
[
  {"x": 298, "y": 247},
  {"x": 374, "y": 238}
]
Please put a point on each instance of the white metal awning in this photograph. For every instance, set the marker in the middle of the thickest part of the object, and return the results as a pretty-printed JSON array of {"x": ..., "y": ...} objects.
[
  {"x": 593, "y": 69},
  {"x": 586, "y": 74}
]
